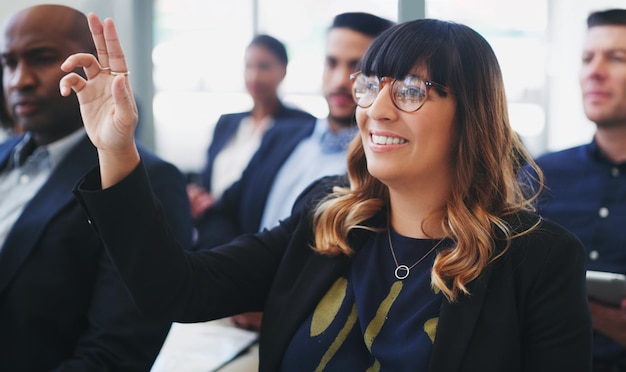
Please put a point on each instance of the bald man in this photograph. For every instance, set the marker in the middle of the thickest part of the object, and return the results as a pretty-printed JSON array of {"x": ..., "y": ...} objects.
[{"x": 62, "y": 304}]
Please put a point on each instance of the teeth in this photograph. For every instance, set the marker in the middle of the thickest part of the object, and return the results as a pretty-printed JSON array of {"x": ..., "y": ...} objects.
[{"x": 382, "y": 140}]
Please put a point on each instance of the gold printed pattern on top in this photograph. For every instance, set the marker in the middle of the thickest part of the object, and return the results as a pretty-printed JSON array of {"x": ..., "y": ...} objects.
[
  {"x": 328, "y": 307},
  {"x": 340, "y": 339},
  {"x": 374, "y": 367},
  {"x": 327, "y": 310},
  {"x": 430, "y": 327},
  {"x": 376, "y": 324}
]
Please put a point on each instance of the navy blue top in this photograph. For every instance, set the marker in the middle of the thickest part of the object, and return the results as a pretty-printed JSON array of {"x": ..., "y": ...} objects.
[
  {"x": 586, "y": 194},
  {"x": 370, "y": 319}
]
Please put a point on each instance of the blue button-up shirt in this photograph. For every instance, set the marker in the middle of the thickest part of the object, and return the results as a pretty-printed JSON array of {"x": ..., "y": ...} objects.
[
  {"x": 324, "y": 153},
  {"x": 586, "y": 193}
]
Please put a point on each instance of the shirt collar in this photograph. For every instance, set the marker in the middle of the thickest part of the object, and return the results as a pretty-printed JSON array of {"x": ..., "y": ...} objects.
[
  {"x": 59, "y": 149},
  {"x": 22, "y": 151},
  {"x": 56, "y": 150},
  {"x": 334, "y": 142}
]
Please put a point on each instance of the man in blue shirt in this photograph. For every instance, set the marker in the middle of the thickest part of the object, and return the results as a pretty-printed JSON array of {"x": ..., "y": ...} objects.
[{"x": 586, "y": 185}]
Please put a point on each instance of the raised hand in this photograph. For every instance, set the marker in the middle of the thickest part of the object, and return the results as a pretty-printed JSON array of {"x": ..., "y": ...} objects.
[{"x": 106, "y": 101}]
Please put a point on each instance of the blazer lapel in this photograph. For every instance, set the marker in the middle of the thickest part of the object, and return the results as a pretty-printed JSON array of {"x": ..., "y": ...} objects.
[
  {"x": 6, "y": 148},
  {"x": 312, "y": 282},
  {"x": 276, "y": 147},
  {"x": 49, "y": 200},
  {"x": 225, "y": 132},
  {"x": 457, "y": 322}
]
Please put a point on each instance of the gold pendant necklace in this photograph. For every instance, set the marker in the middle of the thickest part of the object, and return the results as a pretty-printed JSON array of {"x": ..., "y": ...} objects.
[{"x": 403, "y": 271}]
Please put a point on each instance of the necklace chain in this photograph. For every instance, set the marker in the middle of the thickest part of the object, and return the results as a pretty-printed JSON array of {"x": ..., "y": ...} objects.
[{"x": 404, "y": 268}]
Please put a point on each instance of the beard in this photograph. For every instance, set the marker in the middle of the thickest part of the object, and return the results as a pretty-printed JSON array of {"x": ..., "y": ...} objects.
[
  {"x": 344, "y": 121},
  {"x": 608, "y": 123}
]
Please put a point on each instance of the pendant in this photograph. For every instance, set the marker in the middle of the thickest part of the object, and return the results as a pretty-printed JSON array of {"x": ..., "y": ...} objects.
[{"x": 402, "y": 271}]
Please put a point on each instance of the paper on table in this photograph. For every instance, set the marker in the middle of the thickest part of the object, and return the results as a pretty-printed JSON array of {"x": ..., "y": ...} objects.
[{"x": 202, "y": 347}]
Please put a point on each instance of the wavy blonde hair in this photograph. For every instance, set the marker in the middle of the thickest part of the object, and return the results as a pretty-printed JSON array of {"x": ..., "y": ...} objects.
[{"x": 487, "y": 156}]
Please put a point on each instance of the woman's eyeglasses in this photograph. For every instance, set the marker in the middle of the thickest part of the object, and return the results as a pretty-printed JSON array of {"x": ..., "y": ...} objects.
[{"x": 407, "y": 94}]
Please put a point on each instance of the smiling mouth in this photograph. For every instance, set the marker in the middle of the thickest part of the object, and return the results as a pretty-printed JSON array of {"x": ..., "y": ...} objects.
[{"x": 383, "y": 140}]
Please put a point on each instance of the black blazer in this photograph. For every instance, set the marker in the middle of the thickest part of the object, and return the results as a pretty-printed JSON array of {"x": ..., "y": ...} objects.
[
  {"x": 527, "y": 312},
  {"x": 62, "y": 303},
  {"x": 228, "y": 124}
]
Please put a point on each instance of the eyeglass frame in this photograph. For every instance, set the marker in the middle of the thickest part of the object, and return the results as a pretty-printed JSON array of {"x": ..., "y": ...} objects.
[{"x": 428, "y": 83}]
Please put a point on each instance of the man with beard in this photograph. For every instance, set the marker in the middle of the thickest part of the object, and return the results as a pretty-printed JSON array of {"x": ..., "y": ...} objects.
[
  {"x": 63, "y": 306},
  {"x": 292, "y": 156},
  {"x": 586, "y": 185}
]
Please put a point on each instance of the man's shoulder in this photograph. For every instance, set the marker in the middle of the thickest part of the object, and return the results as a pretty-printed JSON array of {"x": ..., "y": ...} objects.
[
  {"x": 303, "y": 119},
  {"x": 293, "y": 129},
  {"x": 233, "y": 116},
  {"x": 147, "y": 155},
  {"x": 562, "y": 157},
  {"x": 318, "y": 190}
]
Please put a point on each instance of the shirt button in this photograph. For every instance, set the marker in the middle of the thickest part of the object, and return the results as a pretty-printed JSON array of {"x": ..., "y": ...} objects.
[
  {"x": 593, "y": 255},
  {"x": 603, "y": 212},
  {"x": 615, "y": 172},
  {"x": 89, "y": 222},
  {"x": 24, "y": 179}
]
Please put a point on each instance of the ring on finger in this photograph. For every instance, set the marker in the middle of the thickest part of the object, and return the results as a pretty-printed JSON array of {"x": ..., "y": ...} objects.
[
  {"x": 104, "y": 69},
  {"x": 120, "y": 73}
]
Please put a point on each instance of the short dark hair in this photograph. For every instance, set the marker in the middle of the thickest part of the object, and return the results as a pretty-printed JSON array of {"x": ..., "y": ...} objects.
[
  {"x": 273, "y": 45},
  {"x": 610, "y": 17},
  {"x": 364, "y": 23}
]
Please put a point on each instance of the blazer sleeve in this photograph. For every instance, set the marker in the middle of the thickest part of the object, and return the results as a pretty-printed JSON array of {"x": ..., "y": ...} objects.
[
  {"x": 165, "y": 280},
  {"x": 225, "y": 128},
  {"x": 119, "y": 337},
  {"x": 169, "y": 186},
  {"x": 557, "y": 331}
]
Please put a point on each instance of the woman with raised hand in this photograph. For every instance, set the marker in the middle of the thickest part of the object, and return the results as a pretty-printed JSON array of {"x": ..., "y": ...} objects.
[{"x": 427, "y": 256}]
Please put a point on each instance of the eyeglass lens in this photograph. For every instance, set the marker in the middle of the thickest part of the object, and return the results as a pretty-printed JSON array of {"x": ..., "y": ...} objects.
[{"x": 408, "y": 93}]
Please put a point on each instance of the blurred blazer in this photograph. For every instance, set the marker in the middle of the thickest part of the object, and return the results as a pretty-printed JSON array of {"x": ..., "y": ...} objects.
[
  {"x": 227, "y": 126},
  {"x": 63, "y": 305},
  {"x": 240, "y": 209}
]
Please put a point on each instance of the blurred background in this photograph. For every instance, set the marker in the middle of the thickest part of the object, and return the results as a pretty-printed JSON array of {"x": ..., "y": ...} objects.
[{"x": 186, "y": 58}]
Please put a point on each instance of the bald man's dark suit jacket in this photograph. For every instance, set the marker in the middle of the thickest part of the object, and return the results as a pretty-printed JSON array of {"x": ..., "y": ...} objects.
[
  {"x": 527, "y": 311},
  {"x": 62, "y": 304}
]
